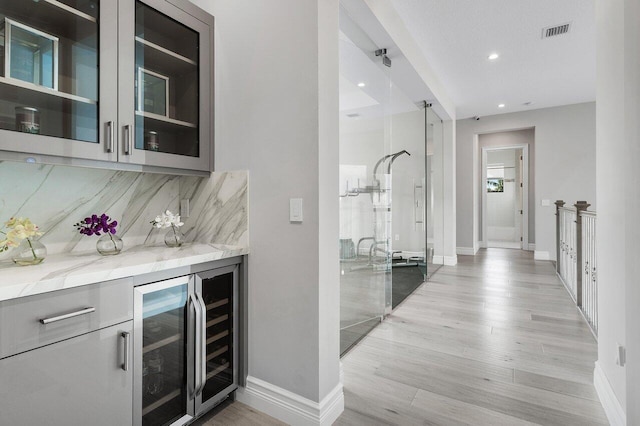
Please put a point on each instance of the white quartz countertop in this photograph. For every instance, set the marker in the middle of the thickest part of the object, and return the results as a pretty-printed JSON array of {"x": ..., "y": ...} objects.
[{"x": 62, "y": 271}]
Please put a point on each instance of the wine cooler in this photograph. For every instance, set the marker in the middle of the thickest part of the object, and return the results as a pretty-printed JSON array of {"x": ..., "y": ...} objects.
[{"x": 185, "y": 341}]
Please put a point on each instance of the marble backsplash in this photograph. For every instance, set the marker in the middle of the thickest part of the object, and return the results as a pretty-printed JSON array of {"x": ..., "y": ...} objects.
[{"x": 56, "y": 197}]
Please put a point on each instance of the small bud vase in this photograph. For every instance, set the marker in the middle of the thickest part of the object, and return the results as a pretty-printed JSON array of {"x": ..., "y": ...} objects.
[
  {"x": 174, "y": 238},
  {"x": 109, "y": 244},
  {"x": 29, "y": 252}
]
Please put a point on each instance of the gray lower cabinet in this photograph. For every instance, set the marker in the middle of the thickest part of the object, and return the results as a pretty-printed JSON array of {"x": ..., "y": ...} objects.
[{"x": 79, "y": 381}]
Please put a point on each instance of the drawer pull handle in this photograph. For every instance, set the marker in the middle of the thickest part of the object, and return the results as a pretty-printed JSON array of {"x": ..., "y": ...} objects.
[
  {"x": 126, "y": 336},
  {"x": 67, "y": 316}
]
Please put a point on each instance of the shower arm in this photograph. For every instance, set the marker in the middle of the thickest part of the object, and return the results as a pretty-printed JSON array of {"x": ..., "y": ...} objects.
[{"x": 393, "y": 158}]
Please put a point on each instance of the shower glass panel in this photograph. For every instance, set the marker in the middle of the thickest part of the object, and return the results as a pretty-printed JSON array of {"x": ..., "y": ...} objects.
[
  {"x": 409, "y": 198},
  {"x": 434, "y": 193},
  {"x": 365, "y": 186}
]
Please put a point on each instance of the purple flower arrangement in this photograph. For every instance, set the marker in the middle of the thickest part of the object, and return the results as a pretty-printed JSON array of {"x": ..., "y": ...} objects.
[{"x": 96, "y": 225}]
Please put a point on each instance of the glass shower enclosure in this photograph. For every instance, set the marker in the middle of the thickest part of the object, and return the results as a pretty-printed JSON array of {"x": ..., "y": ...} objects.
[{"x": 365, "y": 189}]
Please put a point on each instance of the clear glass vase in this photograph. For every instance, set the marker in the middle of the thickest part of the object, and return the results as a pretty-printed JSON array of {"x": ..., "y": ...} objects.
[
  {"x": 29, "y": 252},
  {"x": 173, "y": 237},
  {"x": 109, "y": 244}
]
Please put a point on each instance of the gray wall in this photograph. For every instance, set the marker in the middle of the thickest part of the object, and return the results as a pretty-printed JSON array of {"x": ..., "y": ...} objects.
[
  {"x": 515, "y": 137},
  {"x": 277, "y": 116},
  {"x": 618, "y": 191},
  {"x": 564, "y": 165}
]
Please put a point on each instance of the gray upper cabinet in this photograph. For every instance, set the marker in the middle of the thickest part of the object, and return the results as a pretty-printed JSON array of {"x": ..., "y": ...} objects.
[
  {"x": 128, "y": 83},
  {"x": 56, "y": 77}
]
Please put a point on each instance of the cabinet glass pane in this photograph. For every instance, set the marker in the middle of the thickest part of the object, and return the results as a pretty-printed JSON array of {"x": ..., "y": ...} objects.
[
  {"x": 49, "y": 68},
  {"x": 217, "y": 293},
  {"x": 164, "y": 392},
  {"x": 167, "y": 85}
]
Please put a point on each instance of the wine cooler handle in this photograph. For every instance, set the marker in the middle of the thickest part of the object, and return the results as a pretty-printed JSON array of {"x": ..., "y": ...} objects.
[
  {"x": 126, "y": 336},
  {"x": 127, "y": 139},
  {"x": 110, "y": 137},
  {"x": 198, "y": 337},
  {"x": 203, "y": 344}
]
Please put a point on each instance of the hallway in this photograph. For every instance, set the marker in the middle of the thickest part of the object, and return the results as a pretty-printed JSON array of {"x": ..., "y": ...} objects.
[{"x": 495, "y": 340}]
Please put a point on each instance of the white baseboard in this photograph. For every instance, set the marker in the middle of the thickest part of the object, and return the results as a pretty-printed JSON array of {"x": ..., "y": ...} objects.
[
  {"x": 532, "y": 247},
  {"x": 612, "y": 408},
  {"x": 466, "y": 251},
  {"x": 482, "y": 244},
  {"x": 438, "y": 259},
  {"x": 504, "y": 244},
  {"x": 451, "y": 260},
  {"x": 541, "y": 255},
  {"x": 289, "y": 407}
]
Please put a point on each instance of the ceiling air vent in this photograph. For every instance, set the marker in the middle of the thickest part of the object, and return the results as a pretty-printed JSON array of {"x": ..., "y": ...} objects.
[{"x": 556, "y": 30}]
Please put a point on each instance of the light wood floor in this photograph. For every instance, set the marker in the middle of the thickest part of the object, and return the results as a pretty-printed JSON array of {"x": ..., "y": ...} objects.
[{"x": 495, "y": 340}]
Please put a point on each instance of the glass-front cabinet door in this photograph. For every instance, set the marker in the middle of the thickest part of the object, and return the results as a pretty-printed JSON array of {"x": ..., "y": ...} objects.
[
  {"x": 165, "y": 62},
  {"x": 218, "y": 290},
  {"x": 162, "y": 361},
  {"x": 58, "y": 91}
]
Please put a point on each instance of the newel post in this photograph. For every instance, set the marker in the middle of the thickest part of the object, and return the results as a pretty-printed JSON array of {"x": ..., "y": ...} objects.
[
  {"x": 558, "y": 204},
  {"x": 580, "y": 207}
]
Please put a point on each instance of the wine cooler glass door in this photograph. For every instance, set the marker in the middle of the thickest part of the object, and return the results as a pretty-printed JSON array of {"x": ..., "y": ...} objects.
[
  {"x": 218, "y": 291},
  {"x": 162, "y": 364}
]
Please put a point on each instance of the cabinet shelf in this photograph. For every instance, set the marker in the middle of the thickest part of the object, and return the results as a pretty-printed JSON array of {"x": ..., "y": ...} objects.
[
  {"x": 168, "y": 52},
  {"x": 54, "y": 17},
  {"x": 41, "y": 89},
  {"x": 167, "y": 120},
  {"x": 149, "y": 408},
  {"x": 72, "y": 10},
  {"x": 217, "y": 353},
  {"x": 217, "y": 371},
  {"x": 161, "y": 343},
  {"x": 217, "y": 320},
  {"x": 217, "y": 304},
  {"x": 218, "y": 336}
]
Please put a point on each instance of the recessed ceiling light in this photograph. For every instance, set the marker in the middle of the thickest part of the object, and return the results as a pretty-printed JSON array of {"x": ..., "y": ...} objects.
[
  {"x": 361, "y": 84},
  {"x": 493, "y": 56},
  {"x": 501, "y": 105}
]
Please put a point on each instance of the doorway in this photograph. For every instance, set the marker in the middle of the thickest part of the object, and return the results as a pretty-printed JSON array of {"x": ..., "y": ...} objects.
[{"x": 505, "y": 197}]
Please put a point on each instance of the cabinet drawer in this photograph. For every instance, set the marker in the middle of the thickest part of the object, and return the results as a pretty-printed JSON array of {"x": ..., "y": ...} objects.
[
  {"x": 76, "y": 382},
  {"x": 67, "y": 313}
]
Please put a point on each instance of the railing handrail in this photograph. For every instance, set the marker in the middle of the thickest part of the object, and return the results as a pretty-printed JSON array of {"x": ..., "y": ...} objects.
[{"x": 576, "y": 262}]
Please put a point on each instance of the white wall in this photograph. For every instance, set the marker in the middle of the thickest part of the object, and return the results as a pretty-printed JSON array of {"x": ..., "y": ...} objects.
[
  {"x": 276, "y": 115},
  {"x": 618, "y": 191},
  {"x": 564, "y": 165}
]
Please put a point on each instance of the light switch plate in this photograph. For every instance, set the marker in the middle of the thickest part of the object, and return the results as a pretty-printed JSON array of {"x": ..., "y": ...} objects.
[
  {"x": 295, "y": 210},
  {"x": 545, "y": 203}
]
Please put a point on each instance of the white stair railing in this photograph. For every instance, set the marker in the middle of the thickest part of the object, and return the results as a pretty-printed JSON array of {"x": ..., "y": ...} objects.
[{"x": 576, "y": 257}]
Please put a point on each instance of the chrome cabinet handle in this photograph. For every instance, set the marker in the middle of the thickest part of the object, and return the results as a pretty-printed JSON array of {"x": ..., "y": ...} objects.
[
  {"x": 110, "y": 137},
  {"x": 127, "y": 338},
  {"x": 127, "y": 139},
  {"x": 67, "y": 316},
  {"x": 203, "y": 344},
  {"x": 198, "y": 337}
]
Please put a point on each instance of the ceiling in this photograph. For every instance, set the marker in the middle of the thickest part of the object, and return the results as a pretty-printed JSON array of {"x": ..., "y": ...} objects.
[{"x": 457, "y": 36}]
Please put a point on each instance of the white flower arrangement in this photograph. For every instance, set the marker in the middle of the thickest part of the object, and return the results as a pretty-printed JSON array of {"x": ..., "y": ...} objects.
[
  {"x": 167, "y": 220},
  {"x": 20, "y": 229}
]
